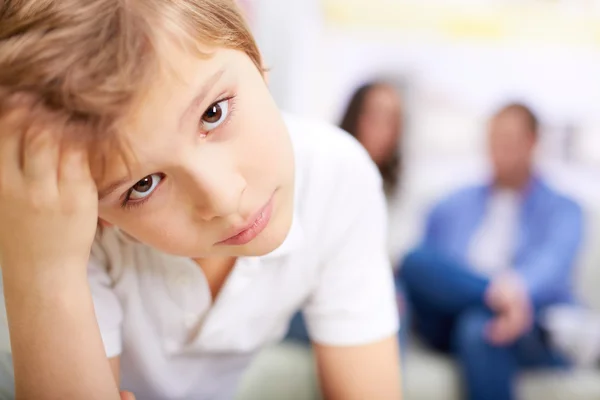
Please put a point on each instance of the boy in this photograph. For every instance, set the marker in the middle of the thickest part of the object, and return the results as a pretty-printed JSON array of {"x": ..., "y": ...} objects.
[{"x": 220, "y": 216}]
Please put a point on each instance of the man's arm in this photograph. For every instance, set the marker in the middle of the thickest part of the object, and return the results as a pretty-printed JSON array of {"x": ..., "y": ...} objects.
[
  {"x": 360, "y": 372},
  {"x": 548, "y": 266},
  {"x": 442, "y": 214},
  {"x": 516, "y": 294}
]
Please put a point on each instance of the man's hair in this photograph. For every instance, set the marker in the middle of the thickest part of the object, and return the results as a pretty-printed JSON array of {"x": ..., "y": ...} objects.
[
  {"x": 528, "y": 115},
  {"x": 91, "y": 60}
]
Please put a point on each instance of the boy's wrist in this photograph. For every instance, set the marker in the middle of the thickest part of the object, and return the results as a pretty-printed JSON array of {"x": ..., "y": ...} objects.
[
  {"x": 32, "y": 275},
  {"x": 31, "y": 263}
]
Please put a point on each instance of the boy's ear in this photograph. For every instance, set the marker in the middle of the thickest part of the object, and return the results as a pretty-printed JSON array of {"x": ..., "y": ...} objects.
[{"x": 265, "y": 70}]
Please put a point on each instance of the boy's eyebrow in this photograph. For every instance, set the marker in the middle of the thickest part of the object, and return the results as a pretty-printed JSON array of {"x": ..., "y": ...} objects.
[{"x": 204, "y": 89}]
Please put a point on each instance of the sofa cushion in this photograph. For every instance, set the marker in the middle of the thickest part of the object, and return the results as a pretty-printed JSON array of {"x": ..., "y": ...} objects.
[
  {"x": 432, "y": 376},
  {"x": 285, "y": 371}
]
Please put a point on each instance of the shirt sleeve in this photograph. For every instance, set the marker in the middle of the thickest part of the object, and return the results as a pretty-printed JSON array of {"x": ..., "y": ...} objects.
[
  {"x": 108, "y": 309},
  {"x": 549, "y": 265},
  {"x": 354, "y": 301}
]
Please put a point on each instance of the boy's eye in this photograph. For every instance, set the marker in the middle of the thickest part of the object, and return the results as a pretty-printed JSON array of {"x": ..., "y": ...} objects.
[
  {"x": 145, "y": 187},
  {"x": 215, "y": 115}
]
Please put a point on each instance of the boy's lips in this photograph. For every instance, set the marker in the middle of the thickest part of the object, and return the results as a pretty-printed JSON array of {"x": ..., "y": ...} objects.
[{"x": 257, "y": 224}]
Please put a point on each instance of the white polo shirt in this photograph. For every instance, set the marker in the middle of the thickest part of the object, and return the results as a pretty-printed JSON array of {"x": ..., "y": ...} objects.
[
  {"x": 155, "y": 310},
  {"x": 493, "y": 244}
]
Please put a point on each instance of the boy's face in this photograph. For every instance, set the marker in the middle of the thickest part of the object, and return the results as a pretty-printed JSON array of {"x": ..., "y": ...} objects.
[{"x": 212, "y": 158}]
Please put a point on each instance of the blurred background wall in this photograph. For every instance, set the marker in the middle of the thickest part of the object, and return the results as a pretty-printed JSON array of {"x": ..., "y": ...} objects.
[
  {"x": 455, "y": 61},
  {"x": 456, "y": 58}
]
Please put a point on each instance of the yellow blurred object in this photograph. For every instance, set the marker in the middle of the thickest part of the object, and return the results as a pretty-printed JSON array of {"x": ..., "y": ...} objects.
[{"x": 537, "y": 23}]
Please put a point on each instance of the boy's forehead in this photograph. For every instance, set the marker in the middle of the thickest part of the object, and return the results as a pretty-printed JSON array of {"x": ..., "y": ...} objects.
[{"x": 177, "y": 80}]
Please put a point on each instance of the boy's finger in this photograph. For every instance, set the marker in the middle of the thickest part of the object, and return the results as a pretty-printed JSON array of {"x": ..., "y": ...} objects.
[
  {"x": 74, "y": 176},
  {"x": 74, "y": 165},
  {"x": 41, "y": 150},
  {"x": 11, "y": 138}
]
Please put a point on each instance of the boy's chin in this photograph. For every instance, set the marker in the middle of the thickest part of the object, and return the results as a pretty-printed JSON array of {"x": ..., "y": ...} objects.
[
  {"x": 268, "y": 241},
  {"x": 263, "y": 245}
]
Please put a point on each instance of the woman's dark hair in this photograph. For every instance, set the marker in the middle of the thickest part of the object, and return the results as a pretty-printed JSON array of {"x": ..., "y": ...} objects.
[{"x": 390, "y": 169}]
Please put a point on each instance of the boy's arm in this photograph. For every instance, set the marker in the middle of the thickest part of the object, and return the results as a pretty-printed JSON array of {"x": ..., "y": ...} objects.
[
  {"x": 48, "y": 216},
  {"x": 115, "y": 366},
  {"x": 352, "y": 316},
  {"x": 361, "y": 372},
  {"x": 56, "y": 345}
]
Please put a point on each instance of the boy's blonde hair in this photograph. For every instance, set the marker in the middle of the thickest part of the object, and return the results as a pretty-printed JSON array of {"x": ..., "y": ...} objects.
[{"x": 91, "y": 60}]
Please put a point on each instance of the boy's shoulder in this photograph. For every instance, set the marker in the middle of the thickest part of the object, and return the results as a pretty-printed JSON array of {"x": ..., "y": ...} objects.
[
  {"x": 336, "y": 180},
  {"x": 325, "y": 136},
  {"x": 326, "y": 152}
]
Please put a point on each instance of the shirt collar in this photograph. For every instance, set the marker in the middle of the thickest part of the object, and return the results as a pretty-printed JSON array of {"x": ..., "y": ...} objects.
[
  {"x": 532, "y": 187},
  {"x": 293, "y": 240},
  {"x": 295, "y": 236}
]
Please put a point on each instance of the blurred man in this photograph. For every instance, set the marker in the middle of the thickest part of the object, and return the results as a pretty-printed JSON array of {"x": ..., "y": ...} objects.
[{"x": 493, "y": 258}]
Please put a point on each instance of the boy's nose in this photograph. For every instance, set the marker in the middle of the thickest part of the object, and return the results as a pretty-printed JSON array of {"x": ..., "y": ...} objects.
[{"x": 215, "y": 189}]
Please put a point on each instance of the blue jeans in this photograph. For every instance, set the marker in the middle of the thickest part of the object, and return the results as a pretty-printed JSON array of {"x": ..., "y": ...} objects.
[
  {"x": 448, "y": 307},
  {"x": 297, "y": 331}
]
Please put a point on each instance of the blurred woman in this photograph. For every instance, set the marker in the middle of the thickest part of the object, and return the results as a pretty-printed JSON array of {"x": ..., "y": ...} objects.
[{"x": 374, "y": 117}]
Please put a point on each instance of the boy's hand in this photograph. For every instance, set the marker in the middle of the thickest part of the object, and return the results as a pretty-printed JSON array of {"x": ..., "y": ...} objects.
[{"x": 48, "y": 200}]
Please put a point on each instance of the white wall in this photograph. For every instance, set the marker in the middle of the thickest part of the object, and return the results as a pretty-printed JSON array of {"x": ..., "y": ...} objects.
[{"x": 453, "y": 86}]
